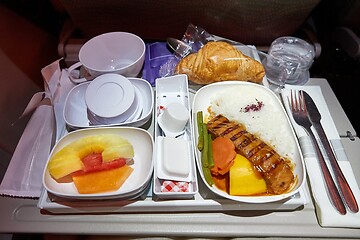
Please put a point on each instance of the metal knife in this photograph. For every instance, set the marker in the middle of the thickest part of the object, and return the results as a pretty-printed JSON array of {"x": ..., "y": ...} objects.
[{"x": 315, "y": 117}]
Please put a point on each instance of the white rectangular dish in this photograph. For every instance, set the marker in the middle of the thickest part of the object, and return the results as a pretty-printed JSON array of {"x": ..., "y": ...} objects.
[
  {"x": 142, "y": 166},
  {"x": 170, "y": 90}
]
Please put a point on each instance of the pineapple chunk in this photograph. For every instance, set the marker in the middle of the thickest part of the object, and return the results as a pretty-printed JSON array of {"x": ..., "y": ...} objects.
[
  {"x": 244, "y": 180},
  {"x": 68, "y": 159},
  {"x": 102, "y": 181},
  {"x": 125, "y": 150},
  {"x": 84, "y": 150},
  {"x": 63, "y": 165},
  {"x": 115, "y": 140}
]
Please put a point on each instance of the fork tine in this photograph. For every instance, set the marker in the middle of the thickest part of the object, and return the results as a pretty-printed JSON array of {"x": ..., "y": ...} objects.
[
  {"x": 291, "y": 100},
  {"x": 302, "y": 101},
  {"x": 294, "y": 101},
  {"x": 297, "y": 100}
]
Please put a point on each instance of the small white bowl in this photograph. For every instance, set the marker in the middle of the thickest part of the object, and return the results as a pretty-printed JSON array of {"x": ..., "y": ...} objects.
[
  {"x": 113, "y": 52},
  {"x": 111, "y": 98},
  {"x": 138, "y": 110}
]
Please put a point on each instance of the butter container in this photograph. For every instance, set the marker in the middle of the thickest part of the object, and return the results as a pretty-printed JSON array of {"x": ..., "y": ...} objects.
[{"x": 175, "y": 174}]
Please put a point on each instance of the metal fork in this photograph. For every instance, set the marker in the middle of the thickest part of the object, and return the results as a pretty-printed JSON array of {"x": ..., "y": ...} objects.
[{"x": 300, "y": 115}]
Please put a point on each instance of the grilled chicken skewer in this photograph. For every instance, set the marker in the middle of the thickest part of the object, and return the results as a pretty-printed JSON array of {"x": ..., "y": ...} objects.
[{"x": 275, "y": 169}]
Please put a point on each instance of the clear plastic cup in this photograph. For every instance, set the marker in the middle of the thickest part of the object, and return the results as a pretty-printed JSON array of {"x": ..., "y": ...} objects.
[{"x": 288, "y": 62}]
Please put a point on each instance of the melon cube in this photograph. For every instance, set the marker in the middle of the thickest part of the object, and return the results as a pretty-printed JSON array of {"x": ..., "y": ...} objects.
[{"x": 102, "y": 181}]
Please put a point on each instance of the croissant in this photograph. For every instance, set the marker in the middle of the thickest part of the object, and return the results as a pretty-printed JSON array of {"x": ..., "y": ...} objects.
[{"x": 220, "y": 61}]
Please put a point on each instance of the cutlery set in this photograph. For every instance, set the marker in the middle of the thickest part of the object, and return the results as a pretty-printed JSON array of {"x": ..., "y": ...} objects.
[{"x": 307, "y": 115}]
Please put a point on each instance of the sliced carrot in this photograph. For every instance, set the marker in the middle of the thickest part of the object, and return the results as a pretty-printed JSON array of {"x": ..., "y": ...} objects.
[
  {"x": 225, "y": 170},
  {"x": 224, "y": 154}
]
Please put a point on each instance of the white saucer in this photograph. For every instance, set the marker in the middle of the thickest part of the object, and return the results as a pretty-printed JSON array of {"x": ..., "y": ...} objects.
[
  {"x": 110, "y": 97},
  {"x": 131, "y": 115}
]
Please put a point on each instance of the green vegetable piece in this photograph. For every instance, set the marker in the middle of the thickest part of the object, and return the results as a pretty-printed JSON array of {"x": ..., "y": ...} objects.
[
  {"x": 208, "y": 177},
  {"x": 204, "y": 152},
  {"x": 199, "y": 117},
  {"x": 210, "y": 152}
]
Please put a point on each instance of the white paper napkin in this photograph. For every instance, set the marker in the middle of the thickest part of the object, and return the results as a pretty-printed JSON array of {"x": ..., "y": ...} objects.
[
  {"x": 326, "y": 213},
  {"x": 62, "y": 90},
  {"x": 23, "y": 177}
]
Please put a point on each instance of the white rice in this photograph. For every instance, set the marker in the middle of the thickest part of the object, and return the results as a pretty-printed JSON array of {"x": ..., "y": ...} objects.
[{"x": 269, "y": 123}]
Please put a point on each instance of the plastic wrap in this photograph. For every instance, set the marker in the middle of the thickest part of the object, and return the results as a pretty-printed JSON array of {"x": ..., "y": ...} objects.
[{"x": 195, "y": 38}]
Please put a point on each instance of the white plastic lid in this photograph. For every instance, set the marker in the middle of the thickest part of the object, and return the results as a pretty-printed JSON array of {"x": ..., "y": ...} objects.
[
  {"x": 174, "y": 162},
  {"x": 109, "y": 95}
]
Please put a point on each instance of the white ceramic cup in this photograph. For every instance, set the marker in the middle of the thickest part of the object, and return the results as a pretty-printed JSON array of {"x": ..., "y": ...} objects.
[
  {"x": 174, "y": 118},
  {"x": 114, "y": 52}
]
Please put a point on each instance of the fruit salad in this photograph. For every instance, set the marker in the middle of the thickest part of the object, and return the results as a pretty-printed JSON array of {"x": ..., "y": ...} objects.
[{"x": 97, "y": 163}]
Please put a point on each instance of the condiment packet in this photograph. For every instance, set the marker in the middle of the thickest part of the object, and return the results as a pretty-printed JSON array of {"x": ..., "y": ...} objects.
[{"x": 174, "y": 186}]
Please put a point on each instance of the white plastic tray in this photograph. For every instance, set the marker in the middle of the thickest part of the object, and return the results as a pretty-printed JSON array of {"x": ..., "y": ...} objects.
[{"x": 203, "y": 201}]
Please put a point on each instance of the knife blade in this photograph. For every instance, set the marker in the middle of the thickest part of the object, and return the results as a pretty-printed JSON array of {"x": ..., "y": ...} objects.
[{"x": 315, "y": 118}]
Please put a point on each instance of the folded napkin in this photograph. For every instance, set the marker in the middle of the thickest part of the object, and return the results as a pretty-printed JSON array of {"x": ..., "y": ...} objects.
[
  {"x": 326, "y": 213},
  {"x": 23, "y": 178},
  {"x": 58, "y": 101}
]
